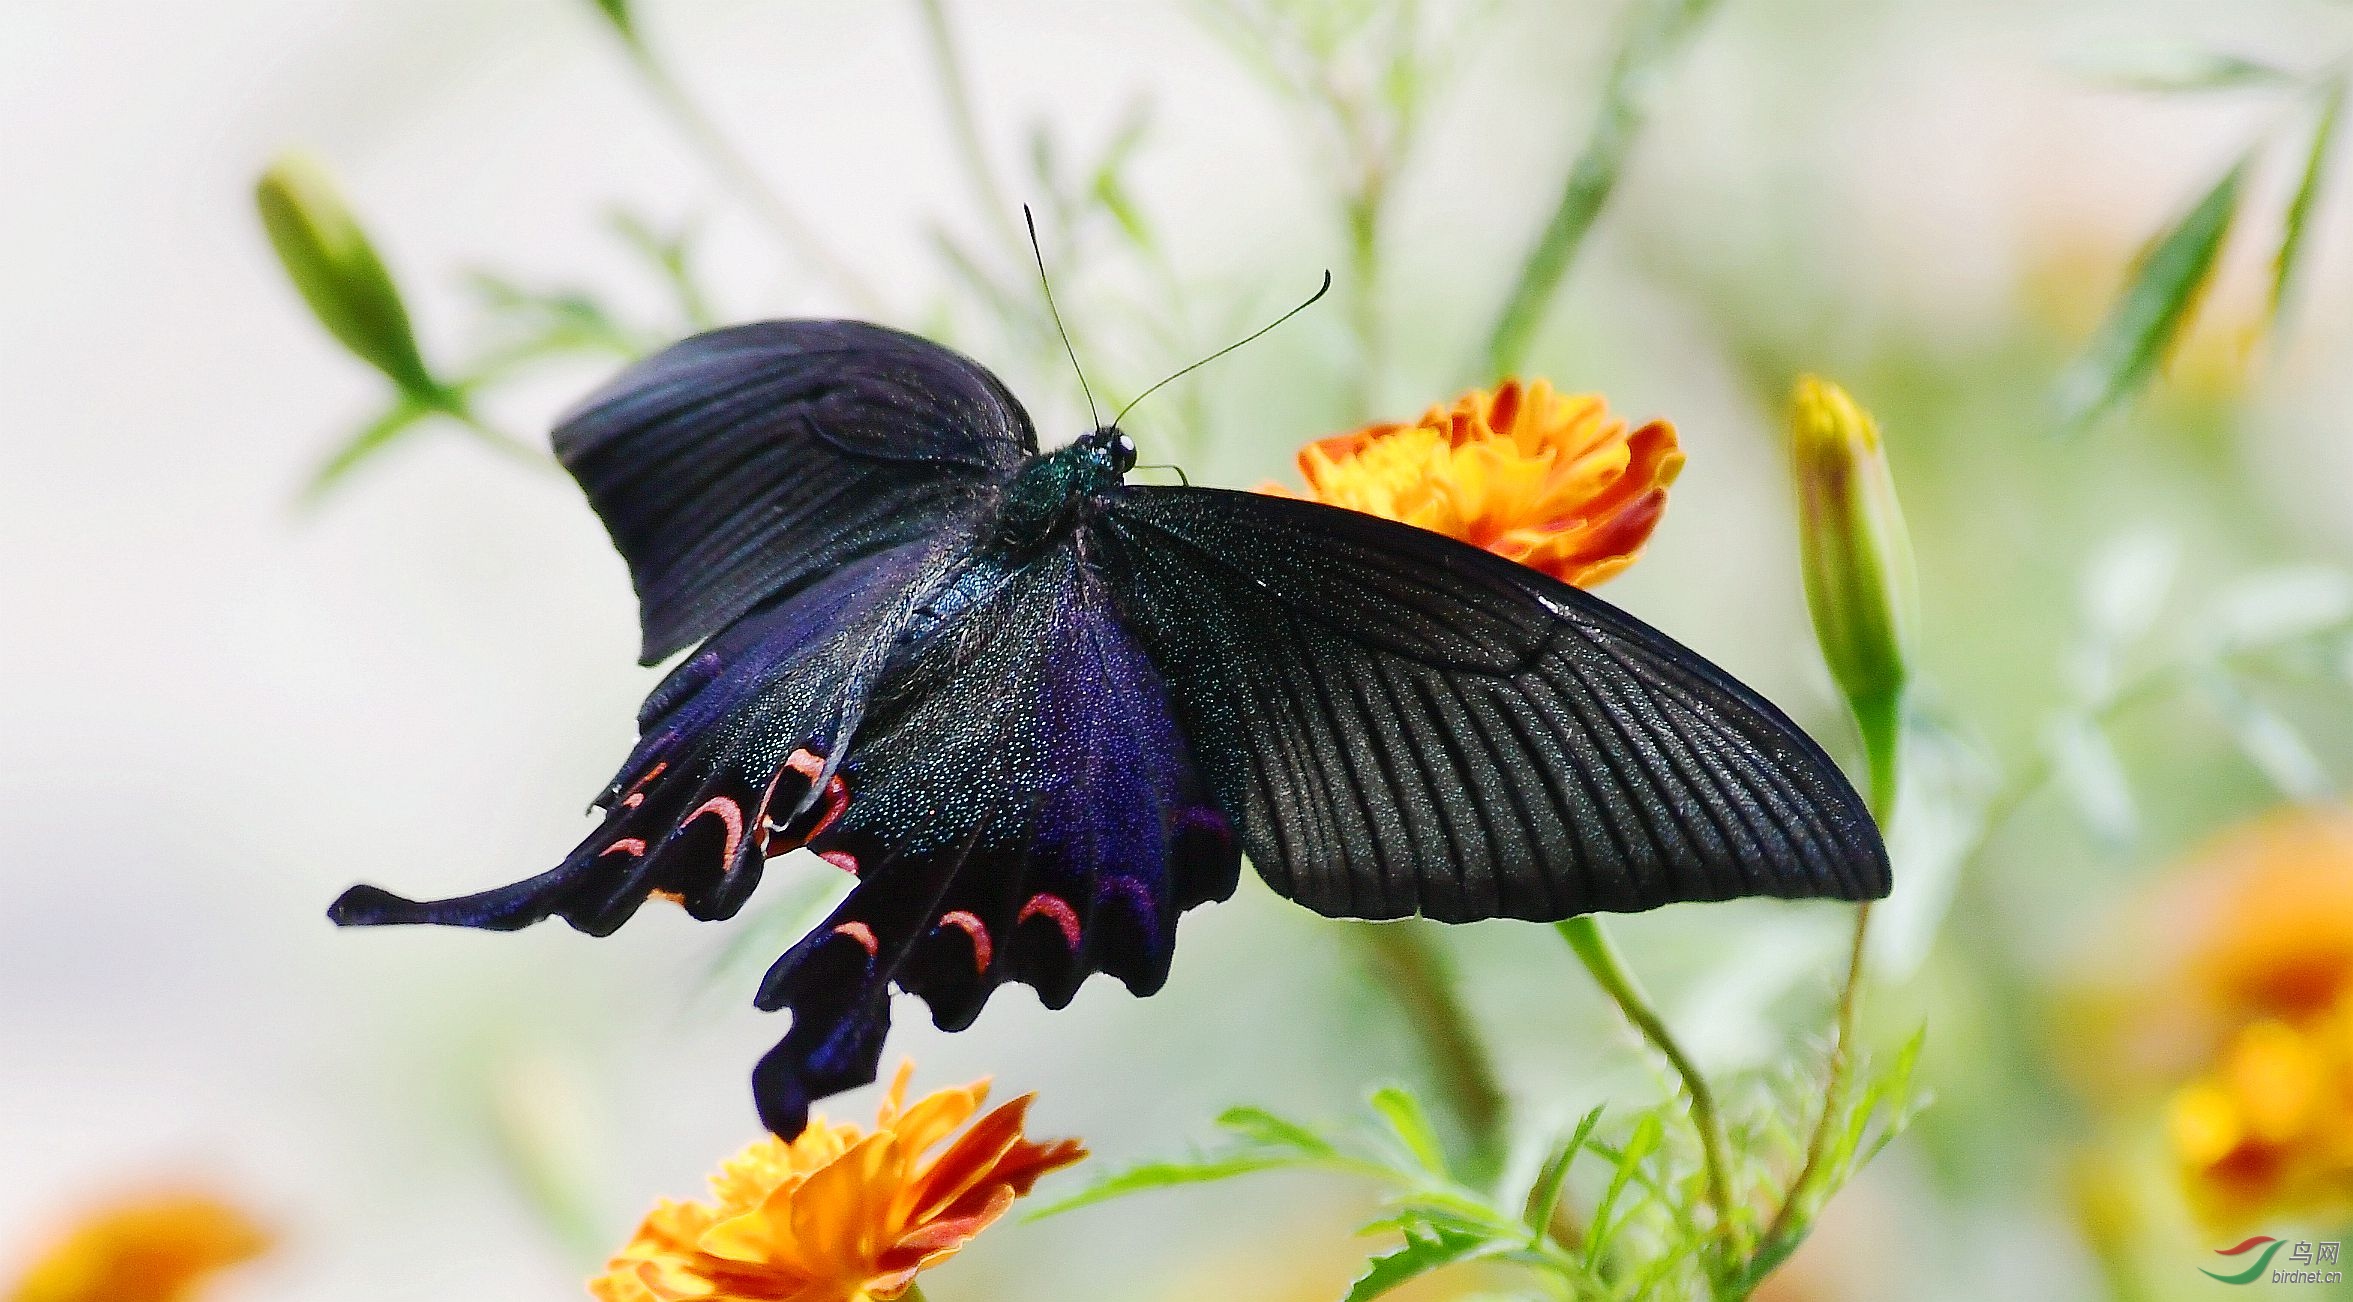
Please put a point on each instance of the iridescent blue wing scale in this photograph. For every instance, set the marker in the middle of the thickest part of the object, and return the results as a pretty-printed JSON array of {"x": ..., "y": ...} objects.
[
  {"x": 1021, "y": 807},
  {"x": 1399, "y": 723}
]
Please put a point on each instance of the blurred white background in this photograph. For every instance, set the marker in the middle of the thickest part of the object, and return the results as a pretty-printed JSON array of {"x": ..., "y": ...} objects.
[{"x": 219, "y": 709}]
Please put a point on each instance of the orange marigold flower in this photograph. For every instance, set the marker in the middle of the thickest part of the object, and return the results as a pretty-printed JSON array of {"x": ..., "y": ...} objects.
[
  {"x": 839, "y": 1214},
  {"x": 2263, "y": 994},
  {"x": 2277, "y": 902},
  {"x": 2269, "y": 1131},
  {"x": 153, "y": 1248},
  {"x": 1547, "y": 479}
]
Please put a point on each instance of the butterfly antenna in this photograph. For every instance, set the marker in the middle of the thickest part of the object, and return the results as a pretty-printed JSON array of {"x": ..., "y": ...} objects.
[
  {"x": 1056, "y": 313},
  {"x": 1252, "y": 337}
]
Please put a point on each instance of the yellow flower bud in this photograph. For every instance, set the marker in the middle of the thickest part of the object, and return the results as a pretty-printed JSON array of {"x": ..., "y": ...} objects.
[
  {"x": 1860, "y": 583},
  {"x": 331, "y": 261}
]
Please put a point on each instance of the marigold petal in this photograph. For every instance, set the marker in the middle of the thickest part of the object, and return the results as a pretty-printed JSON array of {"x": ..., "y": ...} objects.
[
  {"x": 941, "y": 1239},
  {"x": 839, "y": 1215},
  {"x": 1545, "y": 478},
  {"x": 937, "y": 1115},
  {"x": 972, "y": 1159},
  {"x": 151, "y": 1248}
]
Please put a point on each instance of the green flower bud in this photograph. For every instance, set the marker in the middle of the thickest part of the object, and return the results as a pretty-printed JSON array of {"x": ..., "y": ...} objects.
[
  {"x": 1860, "y": 582},
  {"x": 330, "y": 260}
]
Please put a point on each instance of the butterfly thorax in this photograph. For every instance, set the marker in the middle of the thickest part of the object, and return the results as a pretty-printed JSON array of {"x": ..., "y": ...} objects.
[{"x": 1051, "y": 490}]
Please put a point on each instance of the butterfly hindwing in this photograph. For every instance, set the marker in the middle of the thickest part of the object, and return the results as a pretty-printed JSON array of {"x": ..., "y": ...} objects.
[
  {"x": 745, "y": 462},
  {"x": 735, "y": 758},
  {"x": 1400, "y": 723},
  {"x": 1021, "y": 806}
]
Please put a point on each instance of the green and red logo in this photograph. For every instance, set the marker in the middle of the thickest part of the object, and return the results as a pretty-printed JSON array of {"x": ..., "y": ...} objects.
[{"x": 2252, "y": 1273}]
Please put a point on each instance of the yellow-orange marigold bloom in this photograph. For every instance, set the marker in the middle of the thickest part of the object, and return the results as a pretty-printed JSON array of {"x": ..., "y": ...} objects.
[
  {"x": 2269, "y": 1130},
  {"x": 2277, "y": 901},
  {"x": 2265, "y": 928},
  {"x": 152, "y": 1248},
  {"x": 1548, "y": 479},
  {"x": 839, "y": 1214}
]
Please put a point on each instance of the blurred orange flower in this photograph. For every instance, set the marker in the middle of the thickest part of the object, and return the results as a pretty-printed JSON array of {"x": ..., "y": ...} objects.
[
  {"x": 1547, "y": 479},
  {"x": 2266, "y": 1127},
  {"x": 153, "y": 1248},
  {"x": 839, "y": 1214}
]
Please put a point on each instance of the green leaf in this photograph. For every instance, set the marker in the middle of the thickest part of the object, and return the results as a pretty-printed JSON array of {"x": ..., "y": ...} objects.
[
  {"x": 1264, "y": 1127},
  {"x": 2268, "y": 741},
  {"x": 2088, "y": 770},
  {"x": 1411, "y": 1124},
  {"x": 2285, "y": 263},
  {"x": 547, "y": 323},
  {"x": 2174, "y": 66},
  {"x": 1420, "y": 1255},
  {"x": 334, "y": 265},
  {"x": 1109, "y": 187},
  {"x": 1167, "y": 1175},
  {"x": 671, "y": 258},
  {"x": 2149, "y": 315},
  {"x": 1657, "y": 30},
  {"x": 1450, "y": 1209},
  {"x": 362, "y": 446},
  {"x": 2272, "y": 607},
  {"x": 1890, "y": 1093},
  {"x": 1545, "y": 1194},
  {"x": 1648, "y": 1133}
]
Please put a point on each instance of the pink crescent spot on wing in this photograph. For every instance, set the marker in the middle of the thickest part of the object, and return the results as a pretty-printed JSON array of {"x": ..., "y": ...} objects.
[
  {"x": 860, "y": 932},
  {"x": 837, "y": 799},
  {"x": 729, "y": 813},
  {"x": 629, "y": 845},
  {"x": 806, "y": 762},
  {"x": 841, "y": 859},
  {"x": 974, "y": 928},
  {"x": 635, "y": 799},
  {"x": 1055, "y": 907},
  {"x": 760, "y": 823}
]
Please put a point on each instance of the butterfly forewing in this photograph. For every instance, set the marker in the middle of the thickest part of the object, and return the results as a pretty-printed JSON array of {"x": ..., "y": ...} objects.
[
  {"x": 1402, "y": 724},
  {"x": 743, "y": 463}
]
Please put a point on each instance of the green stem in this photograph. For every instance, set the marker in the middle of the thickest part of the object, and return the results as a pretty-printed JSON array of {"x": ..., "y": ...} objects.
[
  {"x": 966, "y": 123},
  {"x": 512, "y": 446},
  {"x": 1881, "y": 722},
  {"x": 1585, "y": 935},
  {"x": 1418, "y": 976},
  {"x": 1659, "y": 29},
  {"x": 737, "y": 172},
  {"x": 1364, "y": 211}
]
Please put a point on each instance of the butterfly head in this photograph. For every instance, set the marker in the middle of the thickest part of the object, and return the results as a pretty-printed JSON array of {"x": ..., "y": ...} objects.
[{"x": 1113, "y": 446}]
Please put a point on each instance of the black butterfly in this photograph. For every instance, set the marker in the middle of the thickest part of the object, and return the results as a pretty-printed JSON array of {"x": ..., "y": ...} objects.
[{"x": 1040, "y": 712}]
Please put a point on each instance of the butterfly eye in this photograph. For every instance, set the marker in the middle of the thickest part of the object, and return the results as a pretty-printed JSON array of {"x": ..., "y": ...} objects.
[{"x": 1123, "y": 453}]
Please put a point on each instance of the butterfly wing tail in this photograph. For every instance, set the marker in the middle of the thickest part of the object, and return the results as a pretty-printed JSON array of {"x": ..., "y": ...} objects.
[{"x": 507, "y": 908}]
